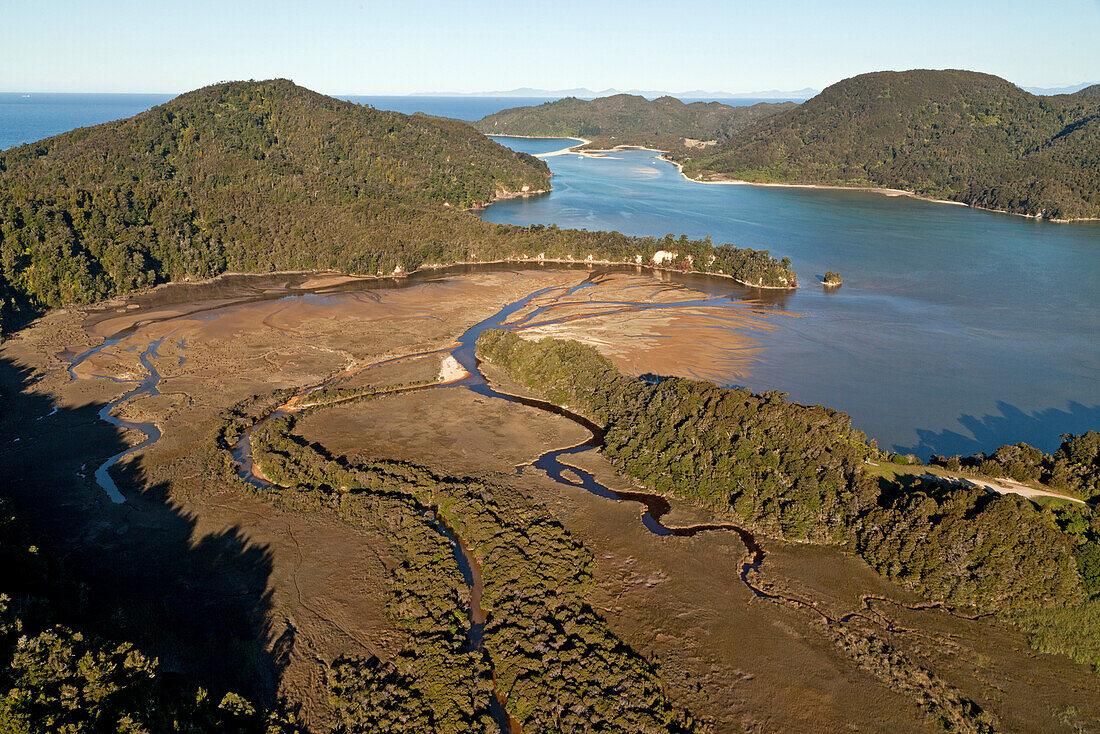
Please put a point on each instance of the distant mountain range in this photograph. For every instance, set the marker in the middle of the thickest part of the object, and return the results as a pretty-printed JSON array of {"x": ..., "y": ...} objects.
[
  {"x": 1071, "y": 89},
  {"x": 780, "y": 94},
  {"x": 585, "y": 93}
]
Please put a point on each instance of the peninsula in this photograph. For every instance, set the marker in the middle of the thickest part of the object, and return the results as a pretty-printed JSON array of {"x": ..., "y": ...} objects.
[
  {"x": 664, "y": 123},
  {"x": 266, "y": 176},
  {"x": 949, "y": 135},
  {"x": 294, "y": 442},
  {"x": 955, "y": 135}
]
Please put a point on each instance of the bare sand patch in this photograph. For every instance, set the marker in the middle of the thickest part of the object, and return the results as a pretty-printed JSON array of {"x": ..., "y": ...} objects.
[{"x": 317, "y": 587}]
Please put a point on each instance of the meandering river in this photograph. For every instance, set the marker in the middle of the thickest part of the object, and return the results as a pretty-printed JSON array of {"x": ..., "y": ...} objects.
[
  {"x": 550, "y": 462},
  {"x": 956, "y": 330}
]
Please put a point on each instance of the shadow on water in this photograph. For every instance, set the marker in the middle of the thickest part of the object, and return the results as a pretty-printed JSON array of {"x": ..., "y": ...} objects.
[
  {"x": 139, "y": 572},
  {"x": 1012, "y": 425}
]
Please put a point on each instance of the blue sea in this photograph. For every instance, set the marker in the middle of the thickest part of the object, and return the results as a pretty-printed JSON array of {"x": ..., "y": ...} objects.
[
  {"x": 955, "y": 331},
  {"x": 28, "y": 117}
]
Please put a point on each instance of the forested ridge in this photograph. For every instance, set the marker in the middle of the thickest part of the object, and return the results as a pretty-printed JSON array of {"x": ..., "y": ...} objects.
[
  {"x": 798, "y": 472},
  {"x": 627, "y": 119},
  {"x": 951, "y": 134},
  {"x": 263, "y": 176}
]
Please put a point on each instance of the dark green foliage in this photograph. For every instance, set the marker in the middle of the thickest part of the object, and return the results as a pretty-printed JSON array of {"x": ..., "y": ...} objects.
[
  {"x": 245, "y": 176},
  {"x": 832, "y": 278},
  {"x": 626, "y": 119},
  {"x": 369, "y": 696},
  {"x": 1091, "y": 92},
  {"x": 262, "y": 176},
  {"x": 951, "y": 134},
  {"x": 1076, "y": 464},
  {"x": 797, "y": 472},
  {"x": 57, "y": 679},
  {"x": 1088, "y": 562},
  {"x": 991, "y": 552},
  {"x": 789, "y": 468},
  {"x": 539, "y": 635}
]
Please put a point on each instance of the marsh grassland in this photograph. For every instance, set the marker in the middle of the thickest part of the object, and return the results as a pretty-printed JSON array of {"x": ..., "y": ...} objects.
[{"x": 395, "y": 554}]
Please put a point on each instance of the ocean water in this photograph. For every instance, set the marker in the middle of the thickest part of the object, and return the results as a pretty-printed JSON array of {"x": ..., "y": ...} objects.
[
  {"x": 956, "y": 330},
  {"x": 26, "y": 118},
  {"x": 459, "y": 108}
]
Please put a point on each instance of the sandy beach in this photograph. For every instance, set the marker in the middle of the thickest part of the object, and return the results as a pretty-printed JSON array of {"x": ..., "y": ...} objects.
[
  {"x": 865, "y": 189},
  {"x": 739, "y": 182},
  {"x": 563, "y": 151}
]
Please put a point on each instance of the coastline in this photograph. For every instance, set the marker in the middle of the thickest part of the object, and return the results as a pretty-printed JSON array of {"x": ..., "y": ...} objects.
[
  {"x": 342, "y": 277},
  {"x": 589, "y": 262},
  {"x": 504, "y": 196},
  {"x": 865, "y": 189},
  {"x": 562, "y": 151},
  {"x": 739, "y": 182}
]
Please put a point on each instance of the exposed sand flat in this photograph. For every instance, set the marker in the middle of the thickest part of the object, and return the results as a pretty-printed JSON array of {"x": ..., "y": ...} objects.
[
  {"x": 641, "y": 327},
  {"x": 327, "y": 280},
  {"x": 272, "y": 595},
  {"x": 562, "y": 151},
  {"x": 451, "y": 371}
]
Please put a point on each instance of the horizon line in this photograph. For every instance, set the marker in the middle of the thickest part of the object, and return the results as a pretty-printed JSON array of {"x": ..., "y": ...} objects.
[{"x": 502, "y": 92}]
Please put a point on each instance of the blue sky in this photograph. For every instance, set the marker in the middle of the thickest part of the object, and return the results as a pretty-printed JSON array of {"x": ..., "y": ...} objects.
[{"x": 409, "y": 46}]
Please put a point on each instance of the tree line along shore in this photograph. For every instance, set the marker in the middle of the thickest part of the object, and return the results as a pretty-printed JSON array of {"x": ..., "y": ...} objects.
[
  {"x": 947, "y": 135},
  {"x": 802, "y": 473},
  {"x": 265, "y": 176},
  {"x": 268, "y": 176}
]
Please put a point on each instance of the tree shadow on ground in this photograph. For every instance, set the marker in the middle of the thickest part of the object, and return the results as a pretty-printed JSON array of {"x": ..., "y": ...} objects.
[
  {"x": 1011, "y": 426},
  {"x": 199, "y": 604}
]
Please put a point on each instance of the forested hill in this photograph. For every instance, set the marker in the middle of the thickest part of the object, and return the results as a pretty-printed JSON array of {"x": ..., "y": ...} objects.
[
  {"x": 802, "y": 473},
  {"x": 627, "y": 119},
  {"x": 262, "y": 176},
  {"x": 1092, "y": 92},
  {"x": 950, "y": 134}
]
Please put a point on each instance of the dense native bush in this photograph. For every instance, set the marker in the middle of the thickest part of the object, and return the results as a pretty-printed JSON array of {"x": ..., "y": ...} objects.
[
  {"x": 797, "y": 472},
  {"x": 56, "y": 678},
  {"x": 627, "y": 119},
  {"x": 950, "y": 134},
  {"x": 539, "y": 633},
  {"x": 262, "y": 176},
  {"x": 1075, "y": 466}
]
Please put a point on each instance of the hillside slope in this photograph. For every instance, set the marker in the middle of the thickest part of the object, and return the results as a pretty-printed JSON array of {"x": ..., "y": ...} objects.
[
  {"x": 626, "y": 119},
  {"x": 244, "y": 175},
  {"x": 262, "y": 176},
  {"x": 1091, "y": 92},
  {"x": 950, "y": 134}
]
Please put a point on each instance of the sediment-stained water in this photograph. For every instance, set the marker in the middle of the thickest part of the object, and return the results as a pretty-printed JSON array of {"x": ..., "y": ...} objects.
[{"x": 956, "y": 330}]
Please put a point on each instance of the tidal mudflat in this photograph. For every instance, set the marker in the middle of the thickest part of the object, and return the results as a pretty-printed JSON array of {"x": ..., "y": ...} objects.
[
  {"x": 956, "y": 330},
  {"x": 279, "y": 589}
]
